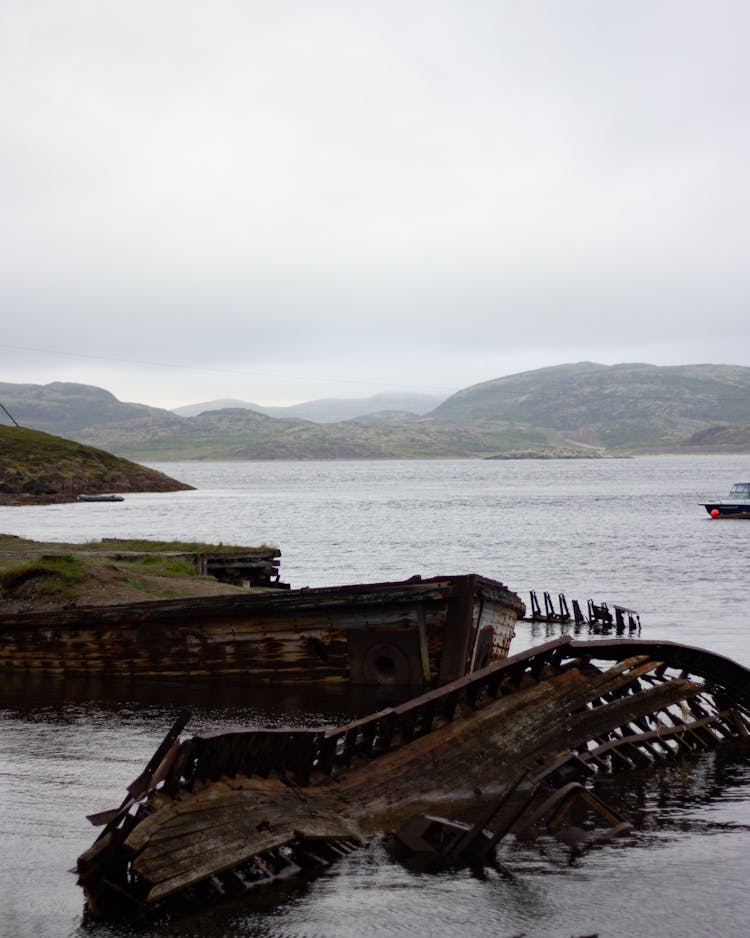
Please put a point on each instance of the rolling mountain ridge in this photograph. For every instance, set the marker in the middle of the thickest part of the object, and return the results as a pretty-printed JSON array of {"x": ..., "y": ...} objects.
[
  {"x": 580, "y": 409},
  {"x": 327, "y": 410}
]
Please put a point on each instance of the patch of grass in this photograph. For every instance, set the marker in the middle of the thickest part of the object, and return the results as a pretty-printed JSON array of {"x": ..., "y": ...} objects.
[
  {"x": 44, "y": 578},
  {"x": 136, "y": 584},
  {"x": 14, "y": 542},
  {"x": 166, "y": 566},
  {"x": 187, "y": 547},
  {"x": 149, "y": 588},
  {"x": 10, "y": 542}
]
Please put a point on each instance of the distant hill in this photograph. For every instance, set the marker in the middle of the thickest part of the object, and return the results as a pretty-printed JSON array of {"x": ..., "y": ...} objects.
[
  {"x": 582, "y": 409},
  {"x": 39, "y": 465},
  {"x": 613, "y": 406},
  {"x": 327, "y": 410},
  {"x": 236, "y": 433},
  {"x": 226, "y": 403},
  {"x": 244, "y": 434},
  {"x": 387, "y": 416},
  {"x": 64, "y": 408},
  {"x": 723, "y": 435}
]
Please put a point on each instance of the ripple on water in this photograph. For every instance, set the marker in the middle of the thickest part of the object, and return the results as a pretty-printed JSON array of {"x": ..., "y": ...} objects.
[{"x": 628, "y": 531}]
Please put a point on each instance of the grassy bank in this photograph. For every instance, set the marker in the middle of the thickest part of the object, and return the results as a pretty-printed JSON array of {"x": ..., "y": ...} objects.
[{"x": 38, "y": 576}]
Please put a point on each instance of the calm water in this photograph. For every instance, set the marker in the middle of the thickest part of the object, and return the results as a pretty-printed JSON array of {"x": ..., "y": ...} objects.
[{"x": 625, "y": 531}]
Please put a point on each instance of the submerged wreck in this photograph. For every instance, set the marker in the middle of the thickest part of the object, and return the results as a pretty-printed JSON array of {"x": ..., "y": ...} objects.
[
  {"x": 421, "y": 632},
  {"x": 228, "y": 812}
]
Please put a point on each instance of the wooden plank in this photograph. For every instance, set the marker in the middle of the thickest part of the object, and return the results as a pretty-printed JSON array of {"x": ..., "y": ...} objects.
[
  {"x": 458, "y": 634},
  {"x": 208, "y": 864},
  {"x": 196, "y": 853},
  {"x": 173, "y": 863}
]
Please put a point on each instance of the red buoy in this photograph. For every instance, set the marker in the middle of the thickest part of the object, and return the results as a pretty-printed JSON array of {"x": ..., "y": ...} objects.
[{"x": 714, "y": 512}]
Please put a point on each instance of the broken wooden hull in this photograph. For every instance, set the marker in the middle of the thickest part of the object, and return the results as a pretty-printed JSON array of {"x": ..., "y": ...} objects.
[
  {"x": 214, "y": 811},
  {"x": 419, "y": 632}
]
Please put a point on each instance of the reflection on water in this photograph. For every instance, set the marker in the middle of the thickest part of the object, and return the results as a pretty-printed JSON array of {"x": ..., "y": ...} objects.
[
  {"x": 212, "y": 703},
  {"x": 71, "y": 747},
  {"x": 627, "y": 531}
]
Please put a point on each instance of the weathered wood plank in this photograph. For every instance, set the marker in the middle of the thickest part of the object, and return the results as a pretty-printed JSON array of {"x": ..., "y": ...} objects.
[
  {"x": 240, "y": 830},
  {"x": 531, "y": 713},
  {"x": 296, "y": 636},
  {"x": 210, "y": 863}
]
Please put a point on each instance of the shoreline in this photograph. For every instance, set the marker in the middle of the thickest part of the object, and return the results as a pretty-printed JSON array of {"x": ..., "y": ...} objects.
[{"x": 15, "y": 501}]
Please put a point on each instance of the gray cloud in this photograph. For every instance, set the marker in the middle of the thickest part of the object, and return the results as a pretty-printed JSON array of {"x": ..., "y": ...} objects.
[{"x": 417, "y": 194}]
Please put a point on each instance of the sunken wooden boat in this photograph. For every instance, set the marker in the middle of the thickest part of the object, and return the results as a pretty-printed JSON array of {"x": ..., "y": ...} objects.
[
  {"x": 229, "y": 812},
  {"x": 418, "y": 632}
]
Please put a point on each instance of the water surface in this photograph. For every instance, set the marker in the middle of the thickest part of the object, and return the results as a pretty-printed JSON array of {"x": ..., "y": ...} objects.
[{"x": 626, "y": 531}]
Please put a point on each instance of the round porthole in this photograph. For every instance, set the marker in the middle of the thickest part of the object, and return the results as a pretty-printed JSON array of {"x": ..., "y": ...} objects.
[{"x": 386, "y": 663}]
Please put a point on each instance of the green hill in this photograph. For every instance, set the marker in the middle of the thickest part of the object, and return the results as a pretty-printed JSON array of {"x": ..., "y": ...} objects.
[
  {"x": 614, "y": 406},
  {"x": 34, "y": 464},
  {"x": 243, "y": 434},
  {"x": 65, "y": 408},
  {"x": 568, "y": 410}
]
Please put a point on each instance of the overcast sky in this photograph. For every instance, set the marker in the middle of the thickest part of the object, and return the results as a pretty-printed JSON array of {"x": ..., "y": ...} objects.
[{"x": 279, "y": 201}]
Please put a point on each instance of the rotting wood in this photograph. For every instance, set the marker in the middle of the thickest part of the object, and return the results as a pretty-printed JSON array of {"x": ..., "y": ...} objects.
[
  {"x": 598, "y": 617},
  {"x": 415, "y": 632},
  {"x": 232, "y": 808},
  {"x": 430, "y": 836}
]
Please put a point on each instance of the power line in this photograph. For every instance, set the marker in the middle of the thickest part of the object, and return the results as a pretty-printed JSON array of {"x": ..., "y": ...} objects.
[
  {"x": 224, "y": 371},
  {"x": 10, "y": 414}
]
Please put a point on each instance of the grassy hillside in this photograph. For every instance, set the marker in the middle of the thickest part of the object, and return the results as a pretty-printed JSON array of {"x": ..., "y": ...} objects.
[
  {"x": 36, "y": 576},
  {"x": 34, "y": 463},
  {"x": 327, "y": 410},
  {"x": 241, "y": 434},
  {"x": 569, "y": 410},
  {"x": 614, "y": 406},
  {"x": 64, "y": 408}
]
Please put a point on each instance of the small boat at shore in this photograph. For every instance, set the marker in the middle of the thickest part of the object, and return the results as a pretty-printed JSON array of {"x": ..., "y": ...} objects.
[
  {"x": 735, "y": 505},
  {"x": 101, "y": 498},
  {"x": 417, "y": 632}
]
